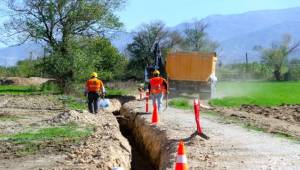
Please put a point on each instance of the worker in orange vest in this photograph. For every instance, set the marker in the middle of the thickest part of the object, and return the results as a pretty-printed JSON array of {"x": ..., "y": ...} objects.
[
  {"x": 94, "y": 88},
  {"x": 158, "y": 86}
]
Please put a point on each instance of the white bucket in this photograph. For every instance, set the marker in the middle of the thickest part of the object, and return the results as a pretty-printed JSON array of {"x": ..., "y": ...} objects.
[
  {"x": 117, "y": 168},
  {"x": 103, "y": 103}
]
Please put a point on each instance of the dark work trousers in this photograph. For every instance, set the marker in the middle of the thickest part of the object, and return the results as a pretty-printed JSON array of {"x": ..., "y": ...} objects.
[{"x": 93, "y": 102}]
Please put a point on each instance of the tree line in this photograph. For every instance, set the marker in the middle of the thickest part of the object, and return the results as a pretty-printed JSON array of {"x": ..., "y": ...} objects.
[
  {"x": 75, "y": 35},
  {"x": 275, "y": 63}
]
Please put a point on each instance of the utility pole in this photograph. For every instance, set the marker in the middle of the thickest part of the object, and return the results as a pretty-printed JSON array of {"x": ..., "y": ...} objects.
[{"x": 247, "y": 69}]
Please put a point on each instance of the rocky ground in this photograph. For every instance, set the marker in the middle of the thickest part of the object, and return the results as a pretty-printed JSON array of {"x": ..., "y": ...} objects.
[{"x": 104, "y": 149}]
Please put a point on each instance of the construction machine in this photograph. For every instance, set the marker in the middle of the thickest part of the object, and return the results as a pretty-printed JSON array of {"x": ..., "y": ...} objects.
[
  {"x": 188, "y": 73},
  {"x": 157, "y": 65}
]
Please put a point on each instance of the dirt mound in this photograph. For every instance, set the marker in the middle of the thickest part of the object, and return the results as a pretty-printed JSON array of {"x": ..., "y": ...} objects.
[
  {"x": 289, "y": 113},
  {"x": 270, "y": 119},
  {"x": 105, "y": 149},
  {"x": 31, "y": 102},
  {"x": 23, "y": 81}
]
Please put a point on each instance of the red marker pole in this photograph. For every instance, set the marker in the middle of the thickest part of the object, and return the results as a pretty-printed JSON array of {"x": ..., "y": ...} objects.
[
  {"x": 197, "y": 115},
  {"x": 147, "y": 102},
  {"x": 141, "y": 95}
]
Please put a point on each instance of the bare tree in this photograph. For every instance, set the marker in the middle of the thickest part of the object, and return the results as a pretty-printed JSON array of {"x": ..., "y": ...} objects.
[
  {"x": 277, "y": 55},
  {"x": 195, "y": 38},
  {"x": 142, "y": 46}
]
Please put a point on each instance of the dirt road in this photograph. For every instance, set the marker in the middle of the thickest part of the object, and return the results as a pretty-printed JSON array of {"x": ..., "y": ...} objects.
[
  {"x": 234, "y": 147},
  {"x": 230, "y": 146}
]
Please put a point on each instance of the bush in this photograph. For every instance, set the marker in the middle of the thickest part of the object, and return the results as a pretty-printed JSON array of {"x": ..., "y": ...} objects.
[{"x": 51, "y": 87}]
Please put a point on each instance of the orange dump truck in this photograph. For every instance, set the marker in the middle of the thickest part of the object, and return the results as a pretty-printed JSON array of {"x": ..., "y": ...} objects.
[{"x": 191, "y": 73}]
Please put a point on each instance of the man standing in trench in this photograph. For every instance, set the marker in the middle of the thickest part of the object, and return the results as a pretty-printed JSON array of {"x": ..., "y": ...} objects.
[
  {"x": 94, "y": 88},
  {"x": 158, "y": 86}
]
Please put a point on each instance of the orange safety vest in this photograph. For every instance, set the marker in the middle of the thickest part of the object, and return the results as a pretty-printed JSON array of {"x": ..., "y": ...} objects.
[
  {"x": 94, "y": 85},
  {"x": 157, "y": 85}
]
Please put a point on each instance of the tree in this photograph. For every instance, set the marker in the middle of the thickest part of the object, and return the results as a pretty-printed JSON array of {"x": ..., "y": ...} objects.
[
  {"x": 195, "y": 38},
  {"x": 57, "y": 23},
  {"x": 276, "y": 56},
  {"x": 141, "y": 49},
  {"x": 88, "y": 55},
  {"x": 27, "y": 67}
]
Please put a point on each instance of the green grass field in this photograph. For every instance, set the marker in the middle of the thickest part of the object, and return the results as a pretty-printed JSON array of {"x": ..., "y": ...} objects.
[
  {"x": 180, "y": 103},
  {"x": 234, "y": 94},
  {"x": 47, "y": 88},
  {"x": 12, "y": 89}
]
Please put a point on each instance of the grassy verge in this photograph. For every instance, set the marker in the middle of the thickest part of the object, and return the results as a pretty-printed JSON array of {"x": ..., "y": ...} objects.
[
  {"x": 180, "y": 103},
  {"x": 31, "y": 142},
  {"x": 47, "y": 88},
  {"x": 9, "y": 117},
  {"x": 74, "y": 103},
  {"x": 11, "y": 89},
  {"x": 235, "y": 94},
  {"x": 116, "y": 92}
]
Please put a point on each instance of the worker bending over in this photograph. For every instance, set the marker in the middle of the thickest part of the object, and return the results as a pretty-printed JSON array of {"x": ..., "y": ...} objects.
[
  {"x": 158, "y": 86},
  {"x": 94, "y": 88}
]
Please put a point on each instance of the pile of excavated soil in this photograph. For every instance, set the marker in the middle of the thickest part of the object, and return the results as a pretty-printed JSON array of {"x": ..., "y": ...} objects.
[
  {"x": 26, "y": 112},
  {"x": 289, "y": 113},
  {"x": 34, "y": 102},
  {"x": 23, "y": 81},
  {"x": 104, "y": 149},
  {"x": 281, "y": 119}
]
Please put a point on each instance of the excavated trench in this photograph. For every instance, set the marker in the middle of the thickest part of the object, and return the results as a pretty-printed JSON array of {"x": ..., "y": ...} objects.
[
  {"x": 140, "y": 159},
  {"x": 151, "y": 149}
]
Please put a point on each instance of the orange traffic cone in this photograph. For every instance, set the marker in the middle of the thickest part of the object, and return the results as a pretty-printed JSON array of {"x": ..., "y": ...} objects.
[
  {"x": 154, "y": 114},
  {"x": 181, "y": 160}
]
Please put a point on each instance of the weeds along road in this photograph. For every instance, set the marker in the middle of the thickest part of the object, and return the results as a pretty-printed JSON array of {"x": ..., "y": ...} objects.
[{"x": 230, "y": 146}]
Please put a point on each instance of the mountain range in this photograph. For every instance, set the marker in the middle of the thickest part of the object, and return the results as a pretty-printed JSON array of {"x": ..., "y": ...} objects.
[{"x": 237, "y": 34}]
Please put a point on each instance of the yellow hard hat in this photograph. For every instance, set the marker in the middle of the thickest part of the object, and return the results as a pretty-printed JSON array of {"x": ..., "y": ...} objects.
[
  {"x": 94, "y": 74},
  {"x": 156, "y": 72}
]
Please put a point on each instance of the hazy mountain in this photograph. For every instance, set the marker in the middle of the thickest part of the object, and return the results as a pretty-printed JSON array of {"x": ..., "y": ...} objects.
[
  {"x": 236, "y": 47},
  {"x": 236, "y": 34},
  {"x": 239, "y": 33},
  {"x": 10, "y": 55}
]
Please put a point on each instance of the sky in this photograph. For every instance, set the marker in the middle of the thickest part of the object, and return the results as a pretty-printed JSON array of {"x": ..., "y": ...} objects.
[{"x": 173, "y": 12}]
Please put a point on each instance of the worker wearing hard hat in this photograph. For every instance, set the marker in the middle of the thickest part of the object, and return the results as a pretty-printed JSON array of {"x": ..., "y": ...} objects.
[
  {"x": 94, "y": 88},
  {"x": 158, "y": 86}
]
